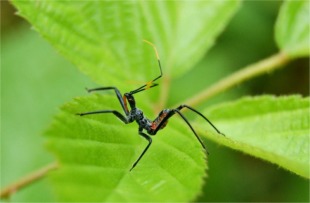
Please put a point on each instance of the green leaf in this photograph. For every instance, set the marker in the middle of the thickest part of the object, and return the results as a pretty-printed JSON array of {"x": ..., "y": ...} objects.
[
  {"x": 271, "y": 128},
  {"x": 104, "y": 38},
  {"x": 97, "y": 151},
  {"x": 292, "y": 28}
]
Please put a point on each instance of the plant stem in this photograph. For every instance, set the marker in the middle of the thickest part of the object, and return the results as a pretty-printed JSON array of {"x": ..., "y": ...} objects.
[
  {"x": 25, "y": 181},
  {"x": 251, "y": 71}
]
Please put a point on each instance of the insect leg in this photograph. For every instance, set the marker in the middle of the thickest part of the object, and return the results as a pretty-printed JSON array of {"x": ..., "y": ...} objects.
[
  {"x": 186, "y": 121},
  {"x": 118, "y": 94},
  {"x": 190, "y": 108},
  {"x": 116, "y": 113},
  {"x": 149, "y": 139}
]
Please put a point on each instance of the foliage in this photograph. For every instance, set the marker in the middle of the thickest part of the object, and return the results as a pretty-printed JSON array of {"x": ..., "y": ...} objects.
[{"x": 104, "y": 42}]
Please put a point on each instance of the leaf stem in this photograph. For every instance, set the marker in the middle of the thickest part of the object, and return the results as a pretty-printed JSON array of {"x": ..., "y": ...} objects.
[
  {"x": 25, "y": 181},
  {"x": 246, "y": 73}
]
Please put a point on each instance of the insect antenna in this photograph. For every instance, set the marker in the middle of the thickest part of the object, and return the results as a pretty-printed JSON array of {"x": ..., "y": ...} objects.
[{"x": 151, "y": 83}]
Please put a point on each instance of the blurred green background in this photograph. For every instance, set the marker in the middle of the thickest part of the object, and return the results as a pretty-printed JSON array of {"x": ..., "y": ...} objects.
[{"x": 36, "y": 80}]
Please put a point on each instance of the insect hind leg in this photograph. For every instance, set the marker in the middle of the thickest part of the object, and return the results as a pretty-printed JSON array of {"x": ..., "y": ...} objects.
[{"x": 200, "y": 114}]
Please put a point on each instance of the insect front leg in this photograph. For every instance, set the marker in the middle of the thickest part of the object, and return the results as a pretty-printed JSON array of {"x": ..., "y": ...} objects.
[
  {"x": 118, "y": 94},
  {"x": 116, "y": 113}
]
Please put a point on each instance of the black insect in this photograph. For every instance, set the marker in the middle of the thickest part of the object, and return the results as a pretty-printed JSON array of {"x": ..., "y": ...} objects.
[{"x": 135, "y": 114}]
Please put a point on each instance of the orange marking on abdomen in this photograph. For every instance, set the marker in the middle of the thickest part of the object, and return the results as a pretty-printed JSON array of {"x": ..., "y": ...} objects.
[{"x": 158, "y": 120}]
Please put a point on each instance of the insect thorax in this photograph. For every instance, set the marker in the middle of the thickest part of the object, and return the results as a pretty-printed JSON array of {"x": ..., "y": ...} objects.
[{"x": 137, "y": 115}]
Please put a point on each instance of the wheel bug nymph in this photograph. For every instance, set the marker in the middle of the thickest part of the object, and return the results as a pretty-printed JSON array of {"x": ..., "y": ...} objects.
[{"x": 135, "y": 114}]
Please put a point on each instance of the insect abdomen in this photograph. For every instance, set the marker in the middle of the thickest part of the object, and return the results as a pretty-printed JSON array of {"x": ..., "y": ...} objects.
[{"x": 162, "y": 115}]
